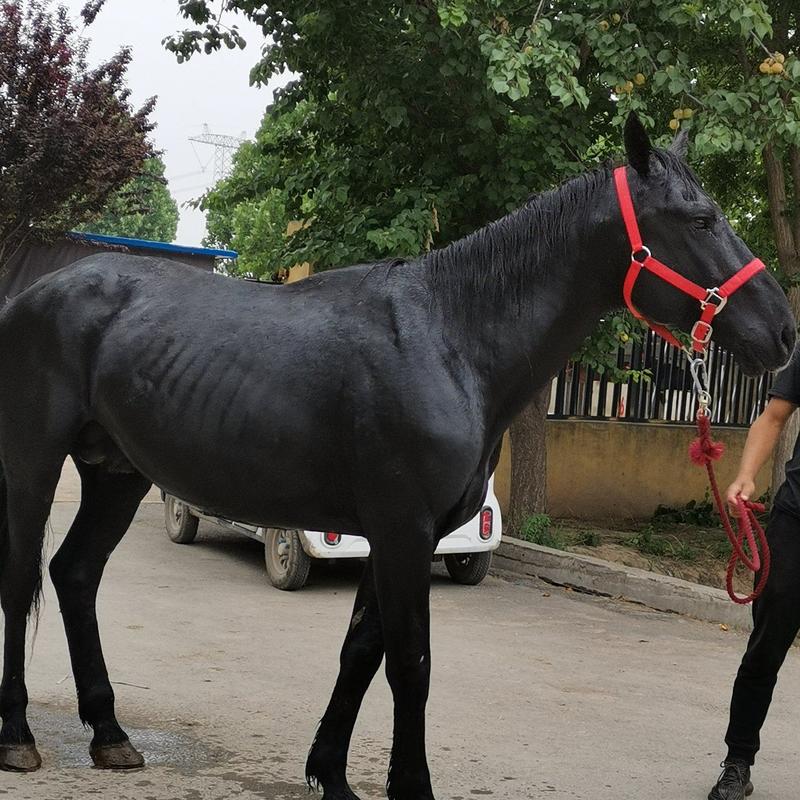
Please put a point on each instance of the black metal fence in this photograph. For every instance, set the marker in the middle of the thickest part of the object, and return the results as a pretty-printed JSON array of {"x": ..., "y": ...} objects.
[{"x": 665, "y": 395}]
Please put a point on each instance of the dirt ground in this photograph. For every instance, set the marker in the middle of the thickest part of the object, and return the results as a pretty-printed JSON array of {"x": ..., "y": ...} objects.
[{"x": 536, "y": 692}]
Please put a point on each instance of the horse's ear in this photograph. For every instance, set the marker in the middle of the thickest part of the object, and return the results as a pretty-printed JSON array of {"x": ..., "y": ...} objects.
[
  {"x": 637, "y": 145},
  {"x": 680, "y": 144}
]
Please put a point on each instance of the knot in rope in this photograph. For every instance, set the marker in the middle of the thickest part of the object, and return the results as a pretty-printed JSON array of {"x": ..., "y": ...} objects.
[{"x": 703, "y": 450}]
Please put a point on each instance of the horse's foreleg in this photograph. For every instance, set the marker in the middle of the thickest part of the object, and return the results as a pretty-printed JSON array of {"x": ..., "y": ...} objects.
[
  {"x": 361, "y": 656},
  {"x": 402, "y": 564},
  {"x": 25, "y": 503},
  {"x": 108, "y": 504}
]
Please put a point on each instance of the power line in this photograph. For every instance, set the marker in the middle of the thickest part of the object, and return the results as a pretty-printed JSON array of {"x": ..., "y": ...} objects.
[{"x": 173, "y": 178}]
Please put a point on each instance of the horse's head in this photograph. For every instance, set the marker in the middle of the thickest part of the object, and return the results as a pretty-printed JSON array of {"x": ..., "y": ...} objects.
[{"x": 685, "y": 230}]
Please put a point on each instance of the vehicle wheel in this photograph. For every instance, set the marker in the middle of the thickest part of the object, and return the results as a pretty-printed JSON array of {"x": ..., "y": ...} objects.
[
  {"x": 468, "y": 568},
  {"x": 287, "y": 563},
  {"x": 180, "y": 523}
]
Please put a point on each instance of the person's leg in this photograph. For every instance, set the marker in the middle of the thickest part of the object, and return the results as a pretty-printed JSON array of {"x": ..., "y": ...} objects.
[{"x": 776, "y": 616}]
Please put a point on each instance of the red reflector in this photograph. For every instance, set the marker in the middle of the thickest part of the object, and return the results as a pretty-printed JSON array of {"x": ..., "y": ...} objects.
[
  {"x": 332, "y": 538},
  {"x": 486, "y": 524}
]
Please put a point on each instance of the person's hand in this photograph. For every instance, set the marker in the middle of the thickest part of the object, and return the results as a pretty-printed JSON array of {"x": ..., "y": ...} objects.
[{"x": 741, "y": 487}]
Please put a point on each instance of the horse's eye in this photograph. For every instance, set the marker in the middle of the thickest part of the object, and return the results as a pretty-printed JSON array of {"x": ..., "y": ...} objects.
[{"x": 703, "y": 223}]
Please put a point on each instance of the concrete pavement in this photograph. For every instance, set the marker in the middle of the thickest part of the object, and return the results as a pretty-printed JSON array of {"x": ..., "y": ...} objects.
[{"x": 537, "y": 692}]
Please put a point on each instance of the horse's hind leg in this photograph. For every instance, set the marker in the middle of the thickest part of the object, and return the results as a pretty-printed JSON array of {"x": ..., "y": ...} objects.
[
  {"x": 108, "y": 504},
  {"x": 361, "y": 656},
  {"x": 402, "y": 562},
  {"x": 25, "y": 502}
]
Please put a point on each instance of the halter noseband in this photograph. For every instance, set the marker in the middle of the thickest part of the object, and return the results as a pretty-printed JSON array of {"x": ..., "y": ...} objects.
[{"x": 712, "y": 301}]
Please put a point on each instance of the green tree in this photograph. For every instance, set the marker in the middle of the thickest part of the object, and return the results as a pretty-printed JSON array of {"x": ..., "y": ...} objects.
[
  {"x": 425, "y": 120},
  {"x": 69, "y": 136},
  {"x": 142, "y": 209},
  {"x": 249, "y": 210},
  {"x": 437, "y": 91}
]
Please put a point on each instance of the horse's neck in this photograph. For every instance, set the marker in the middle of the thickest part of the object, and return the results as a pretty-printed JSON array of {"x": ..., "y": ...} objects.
[{"x": 526, "y": 291}]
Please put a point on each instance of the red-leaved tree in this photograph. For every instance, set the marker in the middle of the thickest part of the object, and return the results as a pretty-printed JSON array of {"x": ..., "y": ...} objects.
[{"x": 69, "y": 136}]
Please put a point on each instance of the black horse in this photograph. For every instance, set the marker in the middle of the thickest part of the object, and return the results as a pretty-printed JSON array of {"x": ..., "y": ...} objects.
[{"x": 370, "y": 400}]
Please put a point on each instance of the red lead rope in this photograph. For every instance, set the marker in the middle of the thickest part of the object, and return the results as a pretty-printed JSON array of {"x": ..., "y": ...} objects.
[{"x": 703, "y": 452}]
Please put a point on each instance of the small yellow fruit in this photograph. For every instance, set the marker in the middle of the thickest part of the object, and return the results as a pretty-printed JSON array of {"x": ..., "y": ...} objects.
[
  {"x": 780, "y": 58},
  {"x": 776, "y": 68},
  {"x": 623, "y": 337},
  {"x": 639, "y": 79},
  {"x": 688, "y": 113},
  {"x": 678, "y": 113},
  {"x": 674, "y": 124},
  {"x": 616, "y": 19},
  {"x": 628, "y": 86},
  {"x": 619, "y": 89},
  {"x": 603, "y": 25},
  {"x": 764, "y": 68}
]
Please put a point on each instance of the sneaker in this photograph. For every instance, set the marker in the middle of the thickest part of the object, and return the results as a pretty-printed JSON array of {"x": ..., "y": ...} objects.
[{"x": 734, "y": 783}]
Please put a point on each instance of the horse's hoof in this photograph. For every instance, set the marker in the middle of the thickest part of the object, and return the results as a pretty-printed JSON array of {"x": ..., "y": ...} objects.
[
  {"x": 19, "y": 758},
  {"x": 117, "y": 756}
]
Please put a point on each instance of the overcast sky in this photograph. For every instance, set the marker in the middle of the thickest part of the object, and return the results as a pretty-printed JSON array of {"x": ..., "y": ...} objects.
[{"x": 208, "y": 90}]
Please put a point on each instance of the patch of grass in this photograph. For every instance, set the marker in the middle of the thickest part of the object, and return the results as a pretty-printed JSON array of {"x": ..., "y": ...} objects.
[
  {"x": 535, "y": 525},
  {"x": 701, "y": 513},
  {"x": 588, "y": 539},
  {"x": 721, "y": 549},
  {"x": 647, "y": 543},
  {"x": 682, "y": 551},
  {"x": 538, "y": 529}
]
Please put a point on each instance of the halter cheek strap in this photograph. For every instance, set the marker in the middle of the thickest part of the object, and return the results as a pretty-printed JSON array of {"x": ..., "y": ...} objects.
[{"x": 711, "y": 301}]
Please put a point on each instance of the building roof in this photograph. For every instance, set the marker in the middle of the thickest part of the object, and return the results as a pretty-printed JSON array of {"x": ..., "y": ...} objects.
[{"x": 146, "y": 244}]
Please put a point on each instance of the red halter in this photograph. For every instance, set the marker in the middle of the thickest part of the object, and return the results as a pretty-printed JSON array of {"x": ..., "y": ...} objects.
[{"x": 712, "y": 301}]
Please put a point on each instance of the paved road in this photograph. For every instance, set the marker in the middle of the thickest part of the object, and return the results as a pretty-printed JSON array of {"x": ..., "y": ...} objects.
[{"x": 537, "y": 692}]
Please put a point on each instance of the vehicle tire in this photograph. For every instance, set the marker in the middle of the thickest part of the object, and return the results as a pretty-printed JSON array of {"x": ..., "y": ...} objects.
[
  {"x": 287, "y": 563},
  {"x": 180, "y": 523},
  {"x": 468, "y": 568}
]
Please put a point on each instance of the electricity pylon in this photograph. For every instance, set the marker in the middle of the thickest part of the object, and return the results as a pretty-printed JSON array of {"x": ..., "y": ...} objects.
[{"x": 224, "y": 148}]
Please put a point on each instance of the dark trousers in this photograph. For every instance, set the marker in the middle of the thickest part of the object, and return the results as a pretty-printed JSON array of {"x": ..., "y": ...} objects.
[{"x": 776, "y": 617}]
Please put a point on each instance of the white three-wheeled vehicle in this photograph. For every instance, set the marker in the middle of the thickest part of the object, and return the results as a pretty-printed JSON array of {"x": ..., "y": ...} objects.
[{"x": 467, "y": 551}]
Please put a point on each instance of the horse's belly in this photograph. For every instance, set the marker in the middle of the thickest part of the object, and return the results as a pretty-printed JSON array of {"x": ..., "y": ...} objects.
[{"x": 266, "y": 459}]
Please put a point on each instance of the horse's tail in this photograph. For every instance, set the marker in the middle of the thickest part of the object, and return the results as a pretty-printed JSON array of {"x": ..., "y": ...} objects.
[
  {"x": 5, "y": 549},
  {"x": 3, "y": 521}
]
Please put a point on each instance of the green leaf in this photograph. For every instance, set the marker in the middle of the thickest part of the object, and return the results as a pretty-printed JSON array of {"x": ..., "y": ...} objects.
[{"x": 500, "y": 85}]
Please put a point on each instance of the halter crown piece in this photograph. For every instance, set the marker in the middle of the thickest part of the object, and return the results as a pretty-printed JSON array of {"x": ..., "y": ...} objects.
[{"x": 711, "y": 301}]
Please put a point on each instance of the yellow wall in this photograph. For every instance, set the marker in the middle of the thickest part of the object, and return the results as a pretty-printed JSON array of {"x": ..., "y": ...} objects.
[
  {"x": 623, "y": 470},
  {"x": 299, "y": 271}
]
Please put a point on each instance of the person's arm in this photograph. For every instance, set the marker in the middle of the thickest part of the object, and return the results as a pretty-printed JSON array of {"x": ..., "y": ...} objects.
[{"x": 761, "y": 440}]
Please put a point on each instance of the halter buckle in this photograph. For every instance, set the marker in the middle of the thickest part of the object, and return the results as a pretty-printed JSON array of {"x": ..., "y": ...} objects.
[
  {"x": 642, "y": 251},
  {"x": 705, "y": 337},
  {"x": 714, "y": 298}
]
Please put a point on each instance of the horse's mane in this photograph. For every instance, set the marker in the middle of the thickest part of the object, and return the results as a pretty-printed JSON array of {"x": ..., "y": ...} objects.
[{"x": 537, "y": 233}]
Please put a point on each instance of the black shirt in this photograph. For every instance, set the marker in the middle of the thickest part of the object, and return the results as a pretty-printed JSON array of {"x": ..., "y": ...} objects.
[{"x": 787, "y": 387}]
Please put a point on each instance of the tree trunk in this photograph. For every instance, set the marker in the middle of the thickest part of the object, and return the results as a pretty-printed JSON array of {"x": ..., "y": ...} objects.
[
  {"x": 785, "y": 446},
  {"x": 785, "y": 227},
  {"x": 528, "y": 462},
  {"x": 779, "y": 210}
]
